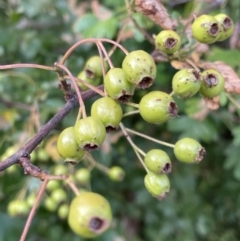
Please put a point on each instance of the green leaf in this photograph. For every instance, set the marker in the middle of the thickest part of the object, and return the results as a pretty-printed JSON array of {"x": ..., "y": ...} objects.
[
  {"x": 103, "y": 29},
  {"x": 236, "y": 134},
  {"x": 228, "y": 56},
  {"x": 84, "y": 23},
  {"x": 205, "y": 131}
]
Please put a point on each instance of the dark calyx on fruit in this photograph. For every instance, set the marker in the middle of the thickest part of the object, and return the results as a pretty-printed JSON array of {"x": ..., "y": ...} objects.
[
  {"x": 200, "y": 155},
  {"x": 173, "y": 109},
  {"x": 90, "y": 147},
  {"x": 124, "y": 98},
  {"x": 167, "y": 168},
  {"x": 161, "y": 197},
  {"x": 227, "y": 23},
  {"x": 211, "y": 80},
  {"x": 110, "y": 129},
  {"x": 196, "y": 74},
  {"x": 89, "y": 73},
  {"x": 214, "y": 30},
  {"x": 145, "y": 82},
  {"x": 170, "y": 43},
  {"x": 97, "y": 224}
]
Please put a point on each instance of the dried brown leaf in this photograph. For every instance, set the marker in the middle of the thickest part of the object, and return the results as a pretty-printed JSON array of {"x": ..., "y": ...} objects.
[
  {"x": 212, "y": 103},
  {"x": 154, "y": 10},
  {"x": 180, "y": 65},
  {"x": 232, "y": 81}
]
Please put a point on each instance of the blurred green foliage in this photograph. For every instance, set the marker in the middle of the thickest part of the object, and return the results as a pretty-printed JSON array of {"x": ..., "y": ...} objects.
[{"x": 204, "y": 202}]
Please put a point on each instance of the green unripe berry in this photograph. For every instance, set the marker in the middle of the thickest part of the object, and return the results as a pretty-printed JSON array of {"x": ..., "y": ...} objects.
[
  {"x": 83, "y": 76},
  {"x": 31, "y": 198},
  {"x": 226, "y": 24},
  {"x": 90, "y": 133},
  {"x": 83, "y": 175},
  {"x": 60, "y": 169},
  {"x": 117, "y": 86},
  {"x": 89, "y": 215},
  {"x": 52, "y": 185},
  {"x": 67, "y": 146},
  {"x": 18, "y": 208},
  {"x": 108, "y": 111},
  {"x": 158, "y": 161},
  {"x": 93, "y": 67},
  {"x": 189, "y": 150},
  {"x": 63, "y": 211},
  {"x": 157, "y": 185},
  {"x": 116, "y": 173},
  {"x": 206, "y": 29},
  {"x": 58, "y": 195},
  {"x": 42, "y": 155},
  {"x": 186, "y": 83},
  {"x": 168, "y": 41},
  {"x": 50, "y": 204},
  {"x": 139, "y": 68},
  {"x": 157, "y": 107},
  {"x": 212, "y": 83}
]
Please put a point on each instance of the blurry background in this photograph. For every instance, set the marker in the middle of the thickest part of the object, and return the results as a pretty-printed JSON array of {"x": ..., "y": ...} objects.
[{"x": 204, "y": 201}]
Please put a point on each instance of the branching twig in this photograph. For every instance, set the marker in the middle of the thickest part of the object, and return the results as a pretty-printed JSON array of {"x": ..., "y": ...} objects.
[{"x": 44, "y": 131}]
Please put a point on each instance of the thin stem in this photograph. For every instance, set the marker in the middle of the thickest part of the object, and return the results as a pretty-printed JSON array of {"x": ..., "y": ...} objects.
[
  {"x": 135, "y": 148},
  {"x": 90, "y": 40},
  {"x": 81, "y": 102},
  {"x": 72, "y": 186},
  {"x": 107, "y": 57},
  {"x": 92, "y": 87},
  {"x": 172, "y": 93},
  {"x": 131, "y": 113},
  {"x": 192, "y": 64},
  {"x": 150, "y": 138},
  {"x": 96, "y": 164},
  {"x": 233, "y": 100},
  {"x": 133, "y": 104},
  {"x": 36, "y": 66},
  {"x": 33, "y": 210}
]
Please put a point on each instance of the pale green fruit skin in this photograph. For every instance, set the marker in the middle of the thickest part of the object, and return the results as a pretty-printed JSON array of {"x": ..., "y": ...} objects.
[
  {"x": 138, "y": 65},
  {"x": 158, "y": 161},
  {"x": 53, "y": 184},
  {"x": 85, "y": 207},
  {"x": 83, "y": 175},
  {"x": 154, "y": 107},
  {"x": 186, "y": 83},
  {"x": 108, "y": 111},
  {"x": 201, "y": 27},
  {"x": 226, "y": 30},
  {"x": 50, "y": 204},
  {"x": 94, "y": 65},
  {"x": 67, "y": 145},
  {"x": 18, "y": 208},
  {"x": 58, "y": 195},
  {"x": 187, "y": 150},
  {"x": 63, "y": 211},
  {"x": 161, "y": 41},
  {"x": 83, "y": 76},
  {"x": 116, "y": 173},
  {"x": 157, "y": 185},
  {"x": 89, "y": 131},
  {"x": 211, "y": 91},
  {"x": 116, "y": 84},
  {"x": 31, "y": 198}
]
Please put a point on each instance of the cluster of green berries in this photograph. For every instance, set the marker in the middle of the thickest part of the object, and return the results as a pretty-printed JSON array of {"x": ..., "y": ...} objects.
[
  {"x": 209, "y": 29},
  {"x": 205, "y": 29},
  {"x": 187, "y": 82},
  {"x": 92, "y": 72}
]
